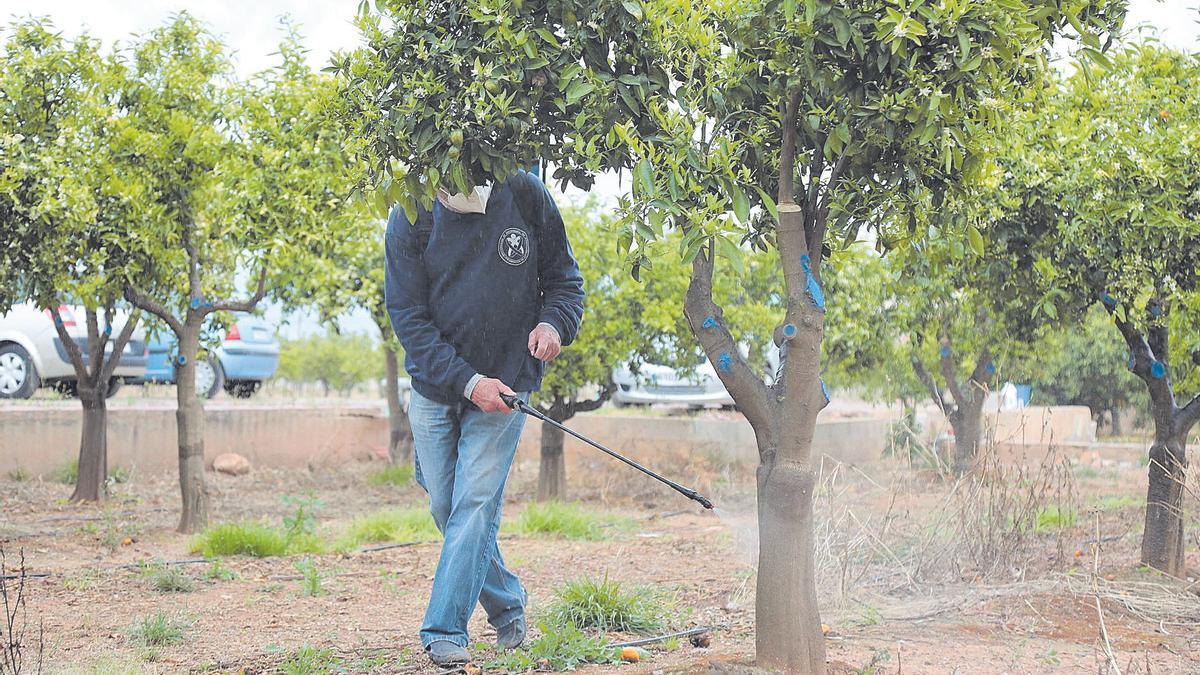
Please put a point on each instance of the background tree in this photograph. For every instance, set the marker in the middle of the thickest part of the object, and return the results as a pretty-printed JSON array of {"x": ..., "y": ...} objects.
[
  {"x": 337, "y": 362},
  {"x": 245, "y": 174},
  {"x": 64, "y": 204},
  {"x": 714, "y": 108},
  {"x": 1102, "y": 187}
]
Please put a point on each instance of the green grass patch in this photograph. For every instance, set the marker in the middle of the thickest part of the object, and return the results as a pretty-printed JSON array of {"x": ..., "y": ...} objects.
[
  {"x": 567, "y": 520},
  {"x": 561, "y": 647},
  {"x": 67, "y": 474},
  {"x": 309, "y": 660},
  {"x": 391, "y": 525},
  {"x": 254, "y": 539},
  {"x": 159, "y": 629},
  {"x": 1054, "y": 517},
  {"x": 1115, "y": 503},
  {"x": 217, "y": 571},
  {"x": 607, "y": 605},
  {"x": 311, "y": 579},
  {"x": 394, "y": 474},
  {"x": 170, "y": 579}
]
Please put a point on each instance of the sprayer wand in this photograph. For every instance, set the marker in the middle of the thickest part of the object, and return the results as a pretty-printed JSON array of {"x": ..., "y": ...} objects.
[{"x": 520, "y": 406}]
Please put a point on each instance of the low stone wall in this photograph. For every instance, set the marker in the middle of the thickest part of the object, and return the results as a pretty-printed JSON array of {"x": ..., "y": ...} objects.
[{"x": 41, "y": 438}]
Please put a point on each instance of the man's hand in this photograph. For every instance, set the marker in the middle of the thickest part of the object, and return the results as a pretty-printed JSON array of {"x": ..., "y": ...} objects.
[
  {"x": 486, "y": 395},
  {"x": 544, "y": 343}
]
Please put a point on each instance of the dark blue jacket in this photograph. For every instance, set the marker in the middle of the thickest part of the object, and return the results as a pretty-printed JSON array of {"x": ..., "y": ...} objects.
[{"x": 464, "y": 290}]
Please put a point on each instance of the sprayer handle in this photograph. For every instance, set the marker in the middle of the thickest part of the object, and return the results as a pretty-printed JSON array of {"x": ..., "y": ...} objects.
[{"x": 510, "y": 401}]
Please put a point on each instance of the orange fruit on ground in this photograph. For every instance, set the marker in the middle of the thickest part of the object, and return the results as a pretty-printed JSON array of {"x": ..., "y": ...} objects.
[
  {"x": 824, "y": 629},
  {"x": 630, "y": 654}
]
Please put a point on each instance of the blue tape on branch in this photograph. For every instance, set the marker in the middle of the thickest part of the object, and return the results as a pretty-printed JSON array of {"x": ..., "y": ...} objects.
[
  {"x": 825, "y": 391},
  {"x": 725, "y": 362},
  {"x": 1155, "y": 311},
  {"x": 1109, "y": 301},
  {"x": 1158, "y": 369},
  {"x": 789, "y": 331},
  {"x": 944, "y": 352},
  {"x": 195, "y": 303},
  {"x": 208, "y": 304},
  {"x": 181, "y": 359},
  {"x": 990, "y": 368},
  {"x": 814, "y": 287},
  {"x": 108, "y": 330},
  {"x": 710, "y": 322},
  {"x": 1132, "y": 362},
  {"x": 58, "y": 320}
]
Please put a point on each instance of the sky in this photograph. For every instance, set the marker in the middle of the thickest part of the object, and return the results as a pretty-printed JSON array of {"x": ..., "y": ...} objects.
[{"x": 252, "y": 30}]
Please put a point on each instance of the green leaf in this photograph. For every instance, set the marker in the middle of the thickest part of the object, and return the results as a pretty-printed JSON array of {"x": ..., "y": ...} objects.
[
  {"x": 975, "y": 239},
  {"x": 645, "y": 176},
  {"x": 741, "y": 205},
  {"x": 634, "y": 8},
  {"x": 578, "y": 89},
  {"x": 768, "y": 203}
]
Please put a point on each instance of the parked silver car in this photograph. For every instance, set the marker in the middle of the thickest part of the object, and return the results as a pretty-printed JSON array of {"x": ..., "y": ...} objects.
[
  {"x": 663, "y": 384},
  {"x": 32, "y": 355}
]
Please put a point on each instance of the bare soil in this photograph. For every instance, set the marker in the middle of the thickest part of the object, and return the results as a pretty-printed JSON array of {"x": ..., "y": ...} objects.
[{"x": 891, "y": 605}]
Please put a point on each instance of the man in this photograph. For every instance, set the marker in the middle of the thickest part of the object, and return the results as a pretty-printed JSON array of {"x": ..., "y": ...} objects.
[{"x": 481, "y": 290}]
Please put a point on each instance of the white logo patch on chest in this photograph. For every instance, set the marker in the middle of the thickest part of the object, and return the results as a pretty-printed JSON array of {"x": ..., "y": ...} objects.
[{"x": 514, "y": 246}]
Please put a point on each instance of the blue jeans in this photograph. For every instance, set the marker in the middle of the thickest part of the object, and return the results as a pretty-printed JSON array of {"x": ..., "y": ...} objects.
[{"x": 463, "y": 457}]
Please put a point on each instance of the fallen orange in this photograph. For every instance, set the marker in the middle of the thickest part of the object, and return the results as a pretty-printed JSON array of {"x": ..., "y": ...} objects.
[{"x": 630, "y": 654}]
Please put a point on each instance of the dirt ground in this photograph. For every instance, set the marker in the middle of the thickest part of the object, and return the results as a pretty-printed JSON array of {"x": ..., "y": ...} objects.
[{"x": 913, "y": 578}]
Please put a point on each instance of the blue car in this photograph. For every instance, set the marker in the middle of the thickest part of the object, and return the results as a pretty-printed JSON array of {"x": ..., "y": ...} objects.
[{"x": 247, "y": 356}]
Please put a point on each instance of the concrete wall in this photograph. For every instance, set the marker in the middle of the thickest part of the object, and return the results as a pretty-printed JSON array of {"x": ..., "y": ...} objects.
[
  {"x": 1025, "y": 426},
  {"x": 41, "y": 438}
]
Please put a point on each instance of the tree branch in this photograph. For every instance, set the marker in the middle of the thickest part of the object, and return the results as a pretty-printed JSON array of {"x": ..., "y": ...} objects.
[
  {"x": 787, "y": 154},
  {"x": 981, "y": 377},
  {"x": 589, "y": 405},
  {"x": 245, "y": 305},
  {"x": 73, "y": 351},
  {"x": 1156, "y": 320},
  {"x": 195, "y": 288},
  {"x": 1142, "y": 361},
  {"x": 707, "y": 321},
  {"x": 946, "y": 359},
  {"x": 1189, "y": 415},
  {"x": 95, "y": 345},
  {"x": 138, "y": 298},
  {"x": 926, "y": 378},
  {"x": 123, "y": 338}
]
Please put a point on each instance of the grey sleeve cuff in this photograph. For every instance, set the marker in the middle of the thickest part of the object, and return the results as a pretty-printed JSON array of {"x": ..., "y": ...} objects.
[
  {"x": 470, "y": 388},
  {"x": 551, "y": 327}
]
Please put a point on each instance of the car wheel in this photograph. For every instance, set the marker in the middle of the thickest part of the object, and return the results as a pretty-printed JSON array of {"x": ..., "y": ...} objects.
[
  {"x": 209, "y": 377},
  {"x": 114, "y": 385},
  {"x": 18, "y": 375},
  {"x": 68, "y": 388}
]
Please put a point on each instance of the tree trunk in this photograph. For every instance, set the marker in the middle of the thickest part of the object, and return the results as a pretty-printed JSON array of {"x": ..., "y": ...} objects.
[
  {"x": 1162, "y": 540},
  {"x": 552, "y": 474},
  {"x": 968, "y": 428},
  {"x": 1114, "y": 417},
  {"x": 788, "y": 635},
  {"x": 93, "y": 444},
  {"x": 400, "y": 440},
  {"x": 189, "y": 420}
]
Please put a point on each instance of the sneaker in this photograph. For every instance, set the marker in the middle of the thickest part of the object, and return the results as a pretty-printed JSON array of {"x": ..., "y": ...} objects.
[
  {"x": 512, "y": 634},
  {"x": 446, "y": 653}
]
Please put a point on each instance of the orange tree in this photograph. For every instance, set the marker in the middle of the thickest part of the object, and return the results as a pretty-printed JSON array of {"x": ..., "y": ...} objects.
[
  {"x": 765, "y": 123},
  {"x": 1098, "y": 200}
]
